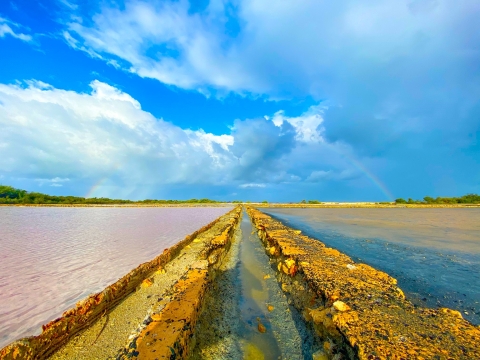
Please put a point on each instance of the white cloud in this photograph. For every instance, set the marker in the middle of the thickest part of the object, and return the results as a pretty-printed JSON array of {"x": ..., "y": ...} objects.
[
  {"x": 277, "y": 49},
  {"x": 307, "y": 126},
  {"x": 56, "y": 181},
  {"x": 58, "y": 137},
  {"x": 53, "y": 133},
  {"x": 252, "y": 185},
  {"x": 6, "y": 29}
]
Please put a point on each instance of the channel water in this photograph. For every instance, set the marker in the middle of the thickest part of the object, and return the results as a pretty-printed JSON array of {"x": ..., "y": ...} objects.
[
  {"x": 433, "y": 253},
  {"x": 247, "y": 315}
]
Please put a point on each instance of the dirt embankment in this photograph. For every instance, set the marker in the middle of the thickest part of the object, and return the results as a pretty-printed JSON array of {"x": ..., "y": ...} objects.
[
  {"x": 357, "y": 311},
  {"x": 166, "y": 293}
]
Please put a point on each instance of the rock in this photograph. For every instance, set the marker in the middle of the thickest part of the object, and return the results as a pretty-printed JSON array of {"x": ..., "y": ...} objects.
[
  {"x": 213, "y": 258},
  {"x": 160, "y": 270},
  {"x": 261, "y": 328},
  {"x": 452, "y": 312},
  {"x": 147, "y": 283},
  {"x": 289, "y": 263},
  {"x": 340, "y": 306},
  {"x": 351, "y": 267}
]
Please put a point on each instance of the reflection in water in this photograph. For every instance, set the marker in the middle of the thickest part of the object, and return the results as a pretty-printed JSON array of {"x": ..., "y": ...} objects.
[
  {"x": 433, "y": 253},
  {"x": 50, "y": 258},
  {"x": 253, "y": 308},
  {"x": 286, "y": 335}
]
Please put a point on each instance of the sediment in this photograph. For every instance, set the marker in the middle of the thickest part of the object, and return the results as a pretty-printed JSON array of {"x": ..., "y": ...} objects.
[
  {"x": 357, "y": 311},
  {"x": 167, "y": 290}
]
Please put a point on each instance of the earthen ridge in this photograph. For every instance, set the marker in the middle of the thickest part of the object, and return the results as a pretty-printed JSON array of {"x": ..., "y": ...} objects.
[
  {"x": 357, "y": 311},
  {"x": 87, "y": 311}
]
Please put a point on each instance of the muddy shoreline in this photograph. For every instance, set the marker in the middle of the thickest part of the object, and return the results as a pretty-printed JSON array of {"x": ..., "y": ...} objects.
[
  {"x": 251, "y": 288},
  {"x": 358, "y": 311}
]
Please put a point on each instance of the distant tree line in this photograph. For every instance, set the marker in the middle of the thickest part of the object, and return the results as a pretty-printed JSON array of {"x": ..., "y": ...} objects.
[
  {"x": 310, "y": 202},
  {"x": 10, "y": 195},
  {"x": 465, "y": 199}
]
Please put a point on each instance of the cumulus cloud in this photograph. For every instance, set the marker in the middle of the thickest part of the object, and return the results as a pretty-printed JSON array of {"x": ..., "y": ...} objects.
[
  {"x": 54, "y": 137},
  {"x": 390, "y": 71},
  {"x": 6, "y": 29},
  {"x": 49, "y": 132},
  {"x": 63, "y": 138}
]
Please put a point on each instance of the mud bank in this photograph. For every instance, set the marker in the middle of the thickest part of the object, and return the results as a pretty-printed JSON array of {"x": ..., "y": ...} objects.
[
  {"x": 246, "y": 315},
  {"x": 117, "y": 321},
  {"x": 357, "y": 311}
]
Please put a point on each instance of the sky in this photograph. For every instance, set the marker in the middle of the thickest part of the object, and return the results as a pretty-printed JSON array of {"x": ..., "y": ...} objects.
[{"x": 365, "y": 100}]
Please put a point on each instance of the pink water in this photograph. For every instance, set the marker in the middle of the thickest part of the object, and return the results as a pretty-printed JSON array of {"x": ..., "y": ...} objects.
[{"x": 50, "y": 258}]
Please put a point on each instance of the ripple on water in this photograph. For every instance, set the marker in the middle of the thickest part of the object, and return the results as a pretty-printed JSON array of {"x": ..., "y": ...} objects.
[{"x": 53, "y": 257}]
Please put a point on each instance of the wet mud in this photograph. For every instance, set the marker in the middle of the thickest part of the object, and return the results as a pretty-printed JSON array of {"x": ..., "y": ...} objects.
[
  {"x": 356, "y": 310},
  {"x": 417, "y": 247}
]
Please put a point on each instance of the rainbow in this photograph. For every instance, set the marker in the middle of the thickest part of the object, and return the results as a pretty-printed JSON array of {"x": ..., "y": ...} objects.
[
  {"x": 375, "y": 180},
  {"x": 94, "y": 188},
  {"x": 359, "y": 166}
]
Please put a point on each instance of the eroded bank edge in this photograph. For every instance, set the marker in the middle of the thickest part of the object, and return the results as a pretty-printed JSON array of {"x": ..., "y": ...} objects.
[
  {"x": 169, "y": 331},
  {"x": 357, "y": 311},
  {"x": 59, "y": 331}
]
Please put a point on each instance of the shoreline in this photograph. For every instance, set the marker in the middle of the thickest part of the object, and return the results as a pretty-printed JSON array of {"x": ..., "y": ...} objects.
[
  {"x": 355, "y": 310},
  {"x": 130, "y": 291}
]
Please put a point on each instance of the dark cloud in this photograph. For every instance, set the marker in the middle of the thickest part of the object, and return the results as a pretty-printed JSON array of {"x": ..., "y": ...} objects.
[{"x": 259, "y": 145}]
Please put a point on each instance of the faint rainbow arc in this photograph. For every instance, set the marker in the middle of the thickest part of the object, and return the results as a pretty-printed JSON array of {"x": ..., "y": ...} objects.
[
  {"x": 95, "y": 186},
  {"x": 374, "y": 179},
  {"x": 101, "y": 181}
]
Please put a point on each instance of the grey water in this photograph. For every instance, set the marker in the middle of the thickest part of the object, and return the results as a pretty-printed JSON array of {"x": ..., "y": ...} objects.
[
  {"x": 50, "y": 258},
  {"x": 433, "y": 253},
  {"x": 286, "y": 335}
]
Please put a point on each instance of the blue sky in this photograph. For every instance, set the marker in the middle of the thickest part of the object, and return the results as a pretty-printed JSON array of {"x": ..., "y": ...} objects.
[{"x": 247, "y": 99}]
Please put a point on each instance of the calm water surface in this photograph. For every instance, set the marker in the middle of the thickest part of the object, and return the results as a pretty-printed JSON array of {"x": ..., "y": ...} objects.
[
  {"x": 50, "y": 258},
  {"x": 433, "y": 253}
]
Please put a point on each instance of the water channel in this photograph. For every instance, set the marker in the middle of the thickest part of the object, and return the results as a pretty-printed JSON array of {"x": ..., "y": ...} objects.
[{"x": 254, "y": 319}]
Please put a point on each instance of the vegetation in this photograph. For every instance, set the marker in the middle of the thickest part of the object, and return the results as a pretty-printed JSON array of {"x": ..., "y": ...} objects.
[
  {"x": 465, "y": 199},
  {"x": 10, "y": 195},
  {"x": 310, "y": 202}
]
